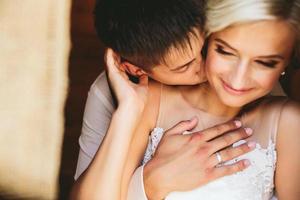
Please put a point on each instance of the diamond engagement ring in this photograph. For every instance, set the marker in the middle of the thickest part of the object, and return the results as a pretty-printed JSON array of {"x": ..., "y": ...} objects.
[{"x": 219, "y": 158}]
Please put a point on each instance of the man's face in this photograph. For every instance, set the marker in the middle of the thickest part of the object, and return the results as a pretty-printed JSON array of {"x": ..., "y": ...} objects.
[{"x": 182, "y": 66}]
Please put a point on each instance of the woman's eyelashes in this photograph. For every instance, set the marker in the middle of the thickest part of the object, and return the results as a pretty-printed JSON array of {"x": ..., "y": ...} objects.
[
  {"x": 270, "y": 64},
  {"x": 219, "y": 49}
]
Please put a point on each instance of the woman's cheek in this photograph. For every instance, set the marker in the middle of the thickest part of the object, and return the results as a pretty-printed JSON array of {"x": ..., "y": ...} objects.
[
  {"x": 217, "y": 66},
  {"x": 267, "y": 82}
]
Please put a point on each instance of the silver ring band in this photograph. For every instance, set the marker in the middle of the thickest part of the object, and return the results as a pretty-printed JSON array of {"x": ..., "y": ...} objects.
[{"x": 219, "y": 158}]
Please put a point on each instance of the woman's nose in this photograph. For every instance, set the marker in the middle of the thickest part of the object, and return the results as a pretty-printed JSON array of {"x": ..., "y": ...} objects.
[{"x": 239, "y": 77}]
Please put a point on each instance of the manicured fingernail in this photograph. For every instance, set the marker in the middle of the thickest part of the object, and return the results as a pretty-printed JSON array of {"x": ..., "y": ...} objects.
[
  {"x": 238, "y": 123},
  {"x": 249, "y": 131},
  {"x": 247, "y": 163},
  {"x": 251, "y": 144}
]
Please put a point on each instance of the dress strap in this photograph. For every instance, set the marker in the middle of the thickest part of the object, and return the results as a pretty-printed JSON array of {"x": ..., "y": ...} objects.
[
  {"x": 162, "y": 100},
  {"x": 276, "y": 118}
]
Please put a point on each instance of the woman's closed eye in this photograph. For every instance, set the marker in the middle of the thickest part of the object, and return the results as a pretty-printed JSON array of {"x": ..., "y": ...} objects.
[
  {"x": 219, "y": 49},
  {"x": 270, "y": 64}
]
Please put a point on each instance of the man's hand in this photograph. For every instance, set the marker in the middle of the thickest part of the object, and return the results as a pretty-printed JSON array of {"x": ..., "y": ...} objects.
[{"x": 186, "y": 161}]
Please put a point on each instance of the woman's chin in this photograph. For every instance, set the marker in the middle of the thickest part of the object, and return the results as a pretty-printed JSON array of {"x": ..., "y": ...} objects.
[
  {"x": 234, "y": 104},
  {"x": 238, "y": 101},
  {"x": 234, "y": 101}
]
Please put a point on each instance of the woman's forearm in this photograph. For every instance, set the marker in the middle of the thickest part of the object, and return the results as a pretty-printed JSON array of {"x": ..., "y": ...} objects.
[{"x": 102, "y": 179}]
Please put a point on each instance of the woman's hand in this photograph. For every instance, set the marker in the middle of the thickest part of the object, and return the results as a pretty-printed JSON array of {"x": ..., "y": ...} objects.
[
  {"x": 124, "y": 89},
  {"x": 186, "y": 161}
]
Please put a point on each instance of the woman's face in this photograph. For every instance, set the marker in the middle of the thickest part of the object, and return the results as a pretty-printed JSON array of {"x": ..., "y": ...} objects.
[{"x": 245, "y": 61}]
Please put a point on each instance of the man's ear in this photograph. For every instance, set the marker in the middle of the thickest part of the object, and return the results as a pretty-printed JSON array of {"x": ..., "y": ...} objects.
[{"x": 132, "y": 69}]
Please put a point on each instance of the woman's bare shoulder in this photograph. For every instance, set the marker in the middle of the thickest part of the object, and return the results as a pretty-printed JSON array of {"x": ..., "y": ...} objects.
[
  {"x": 288, "y": 110},
  {"x": 290, "y": 116},
  {"x": 291, "y": 109},
  {"x": 272, "y": 104},
  {"x": 288, "y": 148},
  {"x": 288, "y": 136}
]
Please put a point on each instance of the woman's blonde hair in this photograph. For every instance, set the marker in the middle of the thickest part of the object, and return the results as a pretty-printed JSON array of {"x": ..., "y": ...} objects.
[{"x": 224, "y": 13}]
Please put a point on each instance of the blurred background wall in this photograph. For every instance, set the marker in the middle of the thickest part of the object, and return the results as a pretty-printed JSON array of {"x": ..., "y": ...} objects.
[
  {"x": 86, "y": 62},
  {"x": 34, "y": 51}
]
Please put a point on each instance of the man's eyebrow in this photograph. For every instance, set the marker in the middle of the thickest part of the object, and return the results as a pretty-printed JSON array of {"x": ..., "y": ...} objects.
[
  {"x": 181, "y": 66},
  {"x": 225, "y": 43}
]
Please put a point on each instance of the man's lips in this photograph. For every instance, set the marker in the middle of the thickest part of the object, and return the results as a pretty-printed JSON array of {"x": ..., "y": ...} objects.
[{"x": 233, "y": 91}]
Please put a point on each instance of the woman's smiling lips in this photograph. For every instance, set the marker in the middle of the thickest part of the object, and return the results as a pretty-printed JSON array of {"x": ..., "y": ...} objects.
[{"x": 233, "y": 91}]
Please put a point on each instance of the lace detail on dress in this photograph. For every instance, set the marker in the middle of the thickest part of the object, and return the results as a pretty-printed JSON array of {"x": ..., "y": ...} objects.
[
  {"x": 154, "y": 140},
  {"x": 260, "y": 175},
  {"x": 254, "y": 183}
]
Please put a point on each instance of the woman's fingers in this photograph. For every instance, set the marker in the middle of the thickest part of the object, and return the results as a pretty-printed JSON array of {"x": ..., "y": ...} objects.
[
  {"x": 112, "y": 60},
  {"x": 109, "y": 57},
  {"x": 231, "y": 152}
]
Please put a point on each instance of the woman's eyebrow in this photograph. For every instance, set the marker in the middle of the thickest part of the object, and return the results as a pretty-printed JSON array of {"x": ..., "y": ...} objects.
[
  {"x": 225, "y": 43},
  {"x": 275, "y": 56}
]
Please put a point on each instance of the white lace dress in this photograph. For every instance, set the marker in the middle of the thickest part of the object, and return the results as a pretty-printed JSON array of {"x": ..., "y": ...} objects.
[{"x": 254, "y": 183}]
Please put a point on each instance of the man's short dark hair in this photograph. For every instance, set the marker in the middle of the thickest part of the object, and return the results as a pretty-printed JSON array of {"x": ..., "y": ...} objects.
[{"x": 142, "y": 31}]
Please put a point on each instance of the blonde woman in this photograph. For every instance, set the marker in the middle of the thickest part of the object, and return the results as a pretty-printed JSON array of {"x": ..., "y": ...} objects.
[{"x": 250, "y": 45}]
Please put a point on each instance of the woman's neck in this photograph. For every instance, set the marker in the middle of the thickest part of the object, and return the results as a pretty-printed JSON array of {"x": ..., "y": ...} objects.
[{"x": 205, "y": 98}]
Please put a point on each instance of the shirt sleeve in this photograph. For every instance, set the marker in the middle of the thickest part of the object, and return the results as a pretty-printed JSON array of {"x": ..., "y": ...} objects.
[
  {"x": 97, "y": 116},
  {"x": 136, "y": 190}
]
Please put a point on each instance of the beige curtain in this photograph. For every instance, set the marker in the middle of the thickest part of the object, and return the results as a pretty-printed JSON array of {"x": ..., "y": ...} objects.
[{"x": 34, "y": 48}]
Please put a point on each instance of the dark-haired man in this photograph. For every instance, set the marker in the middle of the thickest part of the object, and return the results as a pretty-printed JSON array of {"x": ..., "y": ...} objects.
[
  {"x": 163, "y": 38},
  {"x": 160, "y": 39}
]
